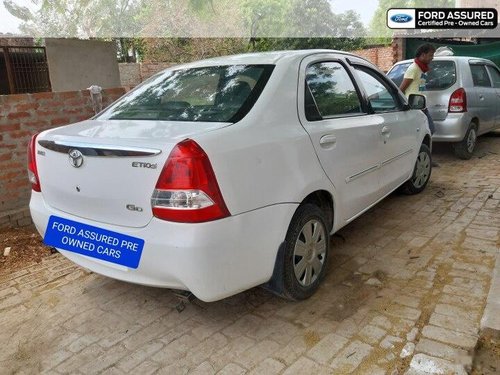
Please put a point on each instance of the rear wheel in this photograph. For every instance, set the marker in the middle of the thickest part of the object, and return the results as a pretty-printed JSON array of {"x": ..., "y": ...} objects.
[
  {"x": 465, "y": 148},
  {"x": 307, "y": 245},
  {"x": 421, "y": 172}
]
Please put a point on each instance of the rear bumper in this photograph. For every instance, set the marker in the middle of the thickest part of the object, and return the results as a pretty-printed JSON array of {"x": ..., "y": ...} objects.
[
  {"x": 212, "y": 260},
  {"x": 453, "y": 128}
]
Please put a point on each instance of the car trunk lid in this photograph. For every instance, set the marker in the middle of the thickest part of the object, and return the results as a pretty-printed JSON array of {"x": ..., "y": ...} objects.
[{"x": 106, "y": 171}]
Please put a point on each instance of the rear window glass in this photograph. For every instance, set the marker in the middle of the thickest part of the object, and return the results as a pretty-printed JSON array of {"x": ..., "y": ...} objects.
[
  {"x": 479, "y": 76},
  {"x": 442, "y": 74},
  {"x": 208, "y": 94},
  {"x": 397, "y": 72}
]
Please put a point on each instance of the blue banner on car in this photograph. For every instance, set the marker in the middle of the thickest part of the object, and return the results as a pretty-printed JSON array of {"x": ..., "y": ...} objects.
[{"x": 94, "y": 242}]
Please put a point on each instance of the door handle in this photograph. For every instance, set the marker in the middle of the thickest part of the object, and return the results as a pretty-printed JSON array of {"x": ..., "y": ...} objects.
[
  {"x": 386, "y": 131},
  {"x": 481, "y": 97},
  {"x": 327, "y": 140}
]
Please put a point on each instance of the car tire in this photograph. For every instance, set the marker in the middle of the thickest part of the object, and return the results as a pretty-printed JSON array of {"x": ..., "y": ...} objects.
[
  {"x": 465, "y": 148},
  {"x": 306, "y": 249},
  {"x": 421, "y": 172}
]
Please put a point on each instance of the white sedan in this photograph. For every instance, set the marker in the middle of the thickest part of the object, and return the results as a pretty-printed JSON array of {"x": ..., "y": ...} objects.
[{"x": 220, "y": 175}]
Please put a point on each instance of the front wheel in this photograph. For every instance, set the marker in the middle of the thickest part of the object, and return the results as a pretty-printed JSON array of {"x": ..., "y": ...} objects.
[
  {"x": 421, "y": 172},
  {"x": 465, "y": 149},
  {"x": 307, "y": 244}
]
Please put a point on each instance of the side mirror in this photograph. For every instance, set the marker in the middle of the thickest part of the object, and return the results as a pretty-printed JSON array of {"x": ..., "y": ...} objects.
[{"x": 417, "y": 101}]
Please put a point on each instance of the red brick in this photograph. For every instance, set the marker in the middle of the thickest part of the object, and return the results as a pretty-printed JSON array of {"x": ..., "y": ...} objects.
[
  {"x": 43, "y": 95},
  {"x": 6, "y": 175},
  {"x": 26, "y": 106},
  {"x": 46, "y": 113},
  {"x": 17, "y": 98},
  {"x": 10, "y": 127},
  {"x": 56, "y": 104},
  {"x": 13, "y": 164},
  {"x": 16, "y": 115},
  {"x": 5, "y": 109},
  {"x": 35, "y": 124},
  {"x": 60, "y": 121},
  {"x": 69, "y": 94},
  {"x": 4, "y": 157},
  {"x": 5, "y": 146},
  {"x": 19, "y": 134},
  {"x": 117, "y": 91},
  {"x": 75, "y": 102}
]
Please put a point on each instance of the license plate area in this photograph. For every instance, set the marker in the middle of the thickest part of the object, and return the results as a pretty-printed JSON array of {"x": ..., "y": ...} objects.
[{"x": 94, "y": 242}]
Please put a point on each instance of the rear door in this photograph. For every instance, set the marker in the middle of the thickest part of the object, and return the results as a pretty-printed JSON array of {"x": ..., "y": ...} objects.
[
  {"x": 487, "y": 96},
  {"x": 495, "y": 79},
  {"x": 346, "y": 139},
  {"x": 399, "y": 128}
]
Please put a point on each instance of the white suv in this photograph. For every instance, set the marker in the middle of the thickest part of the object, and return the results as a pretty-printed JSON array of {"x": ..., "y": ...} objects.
[{"x": 228, "y": 173}]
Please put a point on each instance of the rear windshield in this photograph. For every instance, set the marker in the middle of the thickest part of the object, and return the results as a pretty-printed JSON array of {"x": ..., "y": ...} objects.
[
  {"x": 442, "y": 74},
  {"x": 209, "y": 94}
]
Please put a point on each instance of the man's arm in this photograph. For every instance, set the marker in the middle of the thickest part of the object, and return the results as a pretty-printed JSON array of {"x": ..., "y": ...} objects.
[{"x": 404, "y": 85}]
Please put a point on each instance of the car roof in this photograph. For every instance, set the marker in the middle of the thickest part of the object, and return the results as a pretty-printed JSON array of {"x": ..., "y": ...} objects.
[
  {"x": 256, "y": 58},
  {"x": 448, "y": 58}
]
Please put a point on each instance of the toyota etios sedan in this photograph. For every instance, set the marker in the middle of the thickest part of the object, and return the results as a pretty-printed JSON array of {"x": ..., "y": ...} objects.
[{"x": 224, "y": 174}]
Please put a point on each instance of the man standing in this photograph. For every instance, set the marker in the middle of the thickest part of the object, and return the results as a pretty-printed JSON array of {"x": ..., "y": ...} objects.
[{"x": 416, "y": 75}]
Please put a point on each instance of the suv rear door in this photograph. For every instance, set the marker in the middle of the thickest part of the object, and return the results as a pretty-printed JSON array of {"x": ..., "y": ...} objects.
[
  {"x": 495, "y": 79},
  {"x": 487, "y": 103}
]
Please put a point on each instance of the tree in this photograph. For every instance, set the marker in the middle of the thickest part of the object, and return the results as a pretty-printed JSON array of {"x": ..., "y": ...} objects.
[
  {"x": 78, "y": 18},
  {"x": 312, "y": 24}
]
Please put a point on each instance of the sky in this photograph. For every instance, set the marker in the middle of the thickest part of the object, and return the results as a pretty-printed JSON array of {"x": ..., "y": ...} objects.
[{"x": 365, "y": 8}]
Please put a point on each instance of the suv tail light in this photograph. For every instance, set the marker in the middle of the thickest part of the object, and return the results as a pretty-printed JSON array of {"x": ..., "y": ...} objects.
[
  {"x": 187, "y": 189},
  {"x": 458, "y": 101},
  {"x": 32, "y": 170}
]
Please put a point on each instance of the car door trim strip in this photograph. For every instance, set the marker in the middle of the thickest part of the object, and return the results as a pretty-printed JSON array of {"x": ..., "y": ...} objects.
[
  {"x": 91, "y": 149},
  {"x": 388, "y": 161},
  {"x": 362, "y": 173}
]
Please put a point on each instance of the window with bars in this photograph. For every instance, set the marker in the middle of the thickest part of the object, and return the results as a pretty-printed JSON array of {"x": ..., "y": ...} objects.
[{"x": 23, "y": 70}]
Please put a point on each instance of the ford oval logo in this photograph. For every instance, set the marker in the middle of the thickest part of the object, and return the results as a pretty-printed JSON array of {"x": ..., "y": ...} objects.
[{"x": 401, "y": 18}]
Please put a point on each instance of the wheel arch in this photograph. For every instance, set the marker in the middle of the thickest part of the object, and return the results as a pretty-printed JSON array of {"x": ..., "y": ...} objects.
[{"x": 324, "y": 200}]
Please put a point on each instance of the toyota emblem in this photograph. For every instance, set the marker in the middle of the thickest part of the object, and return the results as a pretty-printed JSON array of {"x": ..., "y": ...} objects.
[{"x": 75, "y": 158}]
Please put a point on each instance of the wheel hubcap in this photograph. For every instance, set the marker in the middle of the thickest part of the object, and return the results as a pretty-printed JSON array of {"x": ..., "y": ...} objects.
[
  {"x": 309, "y": 252},
  {"x": 422, "y": 170},
  {"x": 471, "y": 140}
]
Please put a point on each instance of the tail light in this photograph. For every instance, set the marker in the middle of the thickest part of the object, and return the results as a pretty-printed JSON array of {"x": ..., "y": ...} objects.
[
  {"x": 187, "y": 189},
  {"x": 458, "y": 101},
  {"x": 32, "y": 170}
]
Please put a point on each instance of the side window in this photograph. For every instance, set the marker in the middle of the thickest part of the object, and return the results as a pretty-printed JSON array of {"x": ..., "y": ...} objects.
[
  {"x": 495, "y": 76},
  {"x": 331, "y": 90},
  {"x": 480, "y": 76},
  {"x": 377, "y": 91}
]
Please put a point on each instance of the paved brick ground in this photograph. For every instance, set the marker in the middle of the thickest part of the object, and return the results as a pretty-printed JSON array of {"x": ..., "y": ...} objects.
[{"x": 405, "y": 293}]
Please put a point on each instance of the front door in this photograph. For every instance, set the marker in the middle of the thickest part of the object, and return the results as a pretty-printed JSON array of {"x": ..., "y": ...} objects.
[{"x": 399, "y": 128}]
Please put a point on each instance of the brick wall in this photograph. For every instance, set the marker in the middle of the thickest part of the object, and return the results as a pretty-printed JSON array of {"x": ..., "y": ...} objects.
[
  {"x": 382, "y": 56},
  {"x": 22, "y": 116},
  {"x": 131, "y": 74}
]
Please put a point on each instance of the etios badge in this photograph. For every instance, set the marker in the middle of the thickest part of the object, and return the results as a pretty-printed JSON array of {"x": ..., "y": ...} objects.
[{"x": 75, "y": 158}]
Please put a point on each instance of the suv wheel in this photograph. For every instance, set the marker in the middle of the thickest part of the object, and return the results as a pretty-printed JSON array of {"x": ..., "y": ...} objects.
[
  {"x": 421, "y": 172},
  {"x": 307, "y": 244},
  {"x": 465, "y": 149}
]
